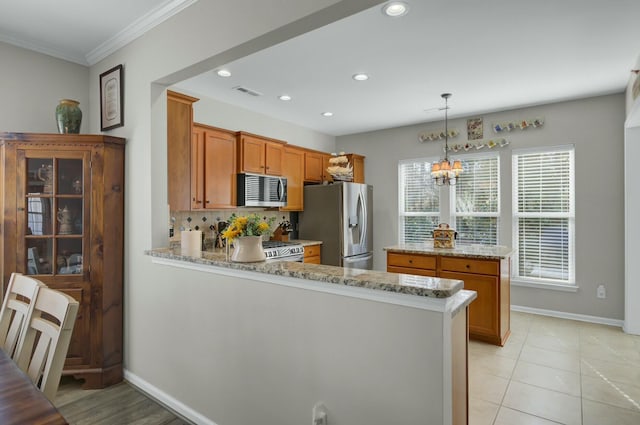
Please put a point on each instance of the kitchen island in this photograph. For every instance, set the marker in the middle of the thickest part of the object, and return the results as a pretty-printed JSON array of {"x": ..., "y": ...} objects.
[
  {"x": 374, "y": 347},
  {"x": 485, "y": 269}
]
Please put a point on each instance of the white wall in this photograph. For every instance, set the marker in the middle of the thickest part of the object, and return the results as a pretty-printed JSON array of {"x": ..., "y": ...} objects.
[
  {"x": 213, "y": 112},
  {"x": 595, "y": 126},
  {"x": 632, "y": 210},
  {"x": 171, "y": 334},
  {"x": 32, "y": 84},
  {"x": 247, "y": 352}
]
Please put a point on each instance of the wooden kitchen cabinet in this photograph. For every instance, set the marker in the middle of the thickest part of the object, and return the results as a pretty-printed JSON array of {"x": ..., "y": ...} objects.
[
  {"x": 423, "y": 265},
  {"x": 326, "y": 177},
  {"x": 489, "y": 314},
  {"x": 312, "y": 254},
  {"x": 260, "y": 155},
  {"x": 313, "y": 166},
  {"x": 179, "y": 130},
  {"x": 63, "y": 223},
  {"x": 357, "y": 162},
  {"x": 213, "y": 168},
  {"x": 293, "y": 170}
]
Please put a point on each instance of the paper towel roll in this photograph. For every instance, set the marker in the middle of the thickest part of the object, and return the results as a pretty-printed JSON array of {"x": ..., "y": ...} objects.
[{"x": 191, "y": 242}]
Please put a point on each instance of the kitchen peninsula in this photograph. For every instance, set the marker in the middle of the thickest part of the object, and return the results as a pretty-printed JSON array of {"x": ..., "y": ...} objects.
[
  {"x": 485, "y": 269},
  {"x": 371, "y": 345}
]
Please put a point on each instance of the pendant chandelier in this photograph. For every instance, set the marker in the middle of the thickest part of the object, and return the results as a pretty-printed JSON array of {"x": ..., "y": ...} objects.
[{"x": 444, "y": 172}]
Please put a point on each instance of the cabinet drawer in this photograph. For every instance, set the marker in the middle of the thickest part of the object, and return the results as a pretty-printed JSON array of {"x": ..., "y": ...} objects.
[
  {"x": 311, "y": 250},
  {"x": 465, "y": 265},
  {"x": 409, "y": 270},
  {"x": 411, "y": 260},
  {"x": 315, "y": 259}
]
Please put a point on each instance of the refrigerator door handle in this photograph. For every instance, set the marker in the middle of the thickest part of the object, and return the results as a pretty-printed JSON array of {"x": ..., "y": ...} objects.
[
  {"x": 349, "y": 262},
  {"x": 279, "y": 190},
  {"x": 363, "y": 220}
]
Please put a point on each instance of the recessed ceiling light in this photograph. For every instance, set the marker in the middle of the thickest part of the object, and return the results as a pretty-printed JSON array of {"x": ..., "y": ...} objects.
[
  {"x": 360, "y": 77},
  {"x": 223, "y": 73},
  {"x": 284, "y": 97},
  {"x": 327, "y": 114},
  {"x": 395, "y": 9}
]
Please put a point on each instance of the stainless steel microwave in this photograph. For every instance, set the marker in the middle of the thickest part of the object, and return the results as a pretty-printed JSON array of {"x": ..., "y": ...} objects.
[{"x": 259, "y": 190}]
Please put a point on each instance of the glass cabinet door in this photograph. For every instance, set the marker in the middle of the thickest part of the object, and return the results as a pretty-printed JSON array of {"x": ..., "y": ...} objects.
[{"x": 54, "y": 223}]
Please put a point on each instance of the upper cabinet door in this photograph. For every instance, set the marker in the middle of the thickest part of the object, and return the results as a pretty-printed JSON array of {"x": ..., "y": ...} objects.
[
  {"x": 293, "y": 170},
  {"x": 273, "y": 158},
  {"x": 252, "y": 155},
  {"x": 219, "y": 169},
  {"x": 53, "y": 212},
  {"x": 259, "y": 155},
  {"x": 313, "y": 164}
]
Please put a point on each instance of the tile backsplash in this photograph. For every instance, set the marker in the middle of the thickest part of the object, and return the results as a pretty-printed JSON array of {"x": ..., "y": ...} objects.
[{"x": 205, "y": 219}]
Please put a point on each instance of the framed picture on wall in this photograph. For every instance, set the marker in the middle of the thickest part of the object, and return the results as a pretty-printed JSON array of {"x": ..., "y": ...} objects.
[
  {"x": 474, "y": 129},
  {"x": 111, "y": 99}
]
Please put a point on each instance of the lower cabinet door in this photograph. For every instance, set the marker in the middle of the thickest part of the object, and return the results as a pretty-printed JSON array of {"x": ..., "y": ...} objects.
[
  {"x": 79, "y": 352},
  {"x": 483, "y": 311}
]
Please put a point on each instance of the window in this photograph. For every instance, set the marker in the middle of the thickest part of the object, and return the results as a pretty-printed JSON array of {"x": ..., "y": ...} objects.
[
  {"x": 476, "y": 204},
  {"x": 544, "y": 215},
  {"x": 475, "y": 200},
  {"x": 419, "y": 201}
]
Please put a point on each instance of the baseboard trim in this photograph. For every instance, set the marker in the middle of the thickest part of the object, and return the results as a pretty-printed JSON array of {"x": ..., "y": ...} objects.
[
  {"x": 570, "y": 316},
  {"x": 166, "y": 400}
]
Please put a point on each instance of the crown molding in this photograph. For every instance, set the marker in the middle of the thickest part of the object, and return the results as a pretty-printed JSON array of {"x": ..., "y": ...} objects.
[
  {"x": 136, "y": 29},
  {"x": 60, "y": 54}
]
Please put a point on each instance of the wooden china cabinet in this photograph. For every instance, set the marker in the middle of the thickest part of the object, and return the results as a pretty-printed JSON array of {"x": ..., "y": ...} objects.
[{"x": 63, "y": 222}]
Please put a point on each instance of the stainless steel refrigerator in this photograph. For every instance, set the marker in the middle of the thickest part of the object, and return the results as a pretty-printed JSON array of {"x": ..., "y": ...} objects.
[{"x": 339, "y": 215}]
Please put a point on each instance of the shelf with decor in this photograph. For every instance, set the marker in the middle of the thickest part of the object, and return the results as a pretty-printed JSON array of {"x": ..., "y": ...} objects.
[{"x": 517, "y": 125}]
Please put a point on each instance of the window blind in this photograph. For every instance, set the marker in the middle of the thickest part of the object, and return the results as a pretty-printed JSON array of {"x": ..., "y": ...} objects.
[
  {"x": 544, "y": 214},
  {"x": 477, "y": 201},
  {"x": 419, "y": 203}
]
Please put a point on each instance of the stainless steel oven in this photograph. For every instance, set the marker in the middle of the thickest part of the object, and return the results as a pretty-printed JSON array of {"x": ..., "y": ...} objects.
[{"x": 283, "y": 251}]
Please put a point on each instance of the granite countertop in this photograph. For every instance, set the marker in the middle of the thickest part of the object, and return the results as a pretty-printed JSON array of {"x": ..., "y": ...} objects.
[
  {"x": 492, "y": 252},
  {"x": 391, "y": 282}
]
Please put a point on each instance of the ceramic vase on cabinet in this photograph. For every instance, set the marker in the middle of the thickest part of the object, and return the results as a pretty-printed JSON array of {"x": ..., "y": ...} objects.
[
  {"x": 248, "y": 249},
  {"x": 68, "y": 116}
]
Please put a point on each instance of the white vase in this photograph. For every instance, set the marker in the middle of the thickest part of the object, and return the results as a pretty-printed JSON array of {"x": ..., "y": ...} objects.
[{"x": 248, "y": 249}]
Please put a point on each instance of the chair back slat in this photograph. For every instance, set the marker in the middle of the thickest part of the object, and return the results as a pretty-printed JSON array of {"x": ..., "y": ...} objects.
[
  {"x": 21, "y": 292},
  {"x": 44, "y": 363}
]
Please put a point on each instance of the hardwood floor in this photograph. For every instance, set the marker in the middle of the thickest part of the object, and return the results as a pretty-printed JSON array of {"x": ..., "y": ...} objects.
[{"x": 118, "y": 404}]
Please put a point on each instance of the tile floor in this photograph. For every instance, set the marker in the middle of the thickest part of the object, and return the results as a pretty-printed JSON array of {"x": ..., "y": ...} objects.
[{"x": 556, "y": 371}]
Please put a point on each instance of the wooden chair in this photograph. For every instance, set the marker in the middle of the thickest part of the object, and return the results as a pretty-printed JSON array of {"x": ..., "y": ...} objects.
[
  {"x": 42, "y": 351},
  {"x": 21, "y": 292}
]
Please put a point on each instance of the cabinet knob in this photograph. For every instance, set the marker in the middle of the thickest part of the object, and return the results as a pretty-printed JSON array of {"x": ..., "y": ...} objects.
[
  {"x": 468, "y": 266},
  {"x": 208, "y": 202},
  {"x": 410, "y": 261}
]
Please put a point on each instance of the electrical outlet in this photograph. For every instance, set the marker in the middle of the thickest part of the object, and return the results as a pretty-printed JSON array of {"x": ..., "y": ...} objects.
[
  {"x": 601, "y": 292},
  {"x": 320, "y": 414}
]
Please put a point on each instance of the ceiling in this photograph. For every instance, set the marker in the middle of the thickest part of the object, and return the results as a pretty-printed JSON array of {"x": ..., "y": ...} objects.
[
  {"x": 492, "y": 55},
  {"x": 81, "y": 31}
]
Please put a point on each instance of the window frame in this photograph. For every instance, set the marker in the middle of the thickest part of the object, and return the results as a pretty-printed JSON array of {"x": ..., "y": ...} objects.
[
  {"x": 453, "y": 214},
  {"x": 401, "y": 198},
  {"x": 570, "y": 283}
]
